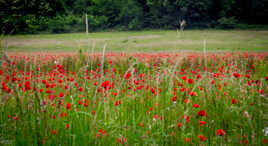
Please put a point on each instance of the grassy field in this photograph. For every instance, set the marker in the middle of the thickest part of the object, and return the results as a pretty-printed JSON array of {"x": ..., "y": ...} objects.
[
  {"x": 51, "y": 94},
  {"x": 135, "y": 41},
  {"x": 135, "y": 99}
]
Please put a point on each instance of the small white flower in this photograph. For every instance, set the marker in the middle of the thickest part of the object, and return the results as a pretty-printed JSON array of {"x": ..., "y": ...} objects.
[{"x": 265, "y": 131}]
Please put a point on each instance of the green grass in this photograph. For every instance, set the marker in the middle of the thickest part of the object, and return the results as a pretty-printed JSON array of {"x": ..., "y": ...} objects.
[
  {"x": 152, "y": 109},
  {"x": 148, "y": 41}
]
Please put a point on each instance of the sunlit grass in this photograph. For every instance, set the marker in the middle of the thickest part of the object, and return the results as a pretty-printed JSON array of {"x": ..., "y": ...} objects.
[{"x": 149, "y": 41}]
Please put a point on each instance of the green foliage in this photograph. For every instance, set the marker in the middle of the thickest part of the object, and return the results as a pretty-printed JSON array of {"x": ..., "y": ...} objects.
[
  {"x": 227, "y": 23},
  {"x": 25, "y": 16},
  {"x": 130, "y": 15},
  {"x": 97, "y": 22},
  {"x": 68, "y": 23},
  {"x": 248, "y": 26}
]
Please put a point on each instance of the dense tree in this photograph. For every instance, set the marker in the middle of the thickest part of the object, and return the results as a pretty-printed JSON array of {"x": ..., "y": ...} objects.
[
  {"x": 28, "y": 16},
  {"x": 24, "y": 15}
]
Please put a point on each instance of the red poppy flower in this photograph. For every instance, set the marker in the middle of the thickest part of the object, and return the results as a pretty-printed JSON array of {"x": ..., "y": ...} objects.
[
  {"x": 128, "y": 75},
  {"x": 121, "y": 140},
  {"x": 236, "y": 75},
  {"x": 212, "y": 82},
  {"x": 67, "y": 126},
  {"x": 60, "y": 80},
  {"x": 184, "y": 78},
  {"x": 186, "y": 101},
  {"x": 202, "y": 137},
  {"x": 195, "y": 105},
  {"x": 174, "y": 98},
  {"x": 27, "y": 85},
  {"x": 63, "y": 114},
  {"x": 61, "y": 94},
  {"x": 190, "y": 81},
  {"x": 85, "y": 105},
  {"x": 244, "y": 141},
  {"x": 118, "y": 102},
  {"x": 179, "y": 125},
  {"x": 187, "y": 139},
  {"x": 101, "y": 133},
  {"x": 201, "y": 123},
  {"x": 54, "y": 132},
  {"x": 106, "y": 84},
  {"x": 202, "y": 113},
  {"x": 198, "y": 76},
  {"x": 68, "y": 106},
  {"x": 81, "y": 89},
  {"x": 192, "y": 93},
  {"x": 264, "y": 141},
  {"x": 220, "y": 132},
  {"x": 234, "y": 101},
  {"x": 187, "y": 118}
]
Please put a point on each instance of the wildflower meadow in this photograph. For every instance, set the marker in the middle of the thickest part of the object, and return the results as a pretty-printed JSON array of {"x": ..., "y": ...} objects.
[{"x": 134, "y": 99}]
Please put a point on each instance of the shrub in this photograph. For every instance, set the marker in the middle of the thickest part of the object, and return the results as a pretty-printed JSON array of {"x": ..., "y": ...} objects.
[
  {"x": 69, "y": 23},
  {"x": 97, "y": 22},
  {"x": 227, "y": 23}
]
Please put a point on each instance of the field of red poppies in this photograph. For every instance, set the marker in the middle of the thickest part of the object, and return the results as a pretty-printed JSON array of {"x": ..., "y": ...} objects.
[{"x": 134, "y": 99}]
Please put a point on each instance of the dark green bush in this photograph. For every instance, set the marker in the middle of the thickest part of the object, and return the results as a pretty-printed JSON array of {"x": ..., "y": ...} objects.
[
  {"x": 97, "y": 22},
  {"x": 135, "y": 24},
  {"x": 62, "y": 24},
  {"x": 250, "y": 26},
  {"x": 227, "y": 23}
]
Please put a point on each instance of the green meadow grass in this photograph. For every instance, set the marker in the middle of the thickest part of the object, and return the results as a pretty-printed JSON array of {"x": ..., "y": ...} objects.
[
  {"x": 145, "y": 116},
  {"x": 142, "y": 41}
]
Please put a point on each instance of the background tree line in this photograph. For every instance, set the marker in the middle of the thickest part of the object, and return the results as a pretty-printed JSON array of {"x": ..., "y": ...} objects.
[{"x": 32, "y": 16}]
